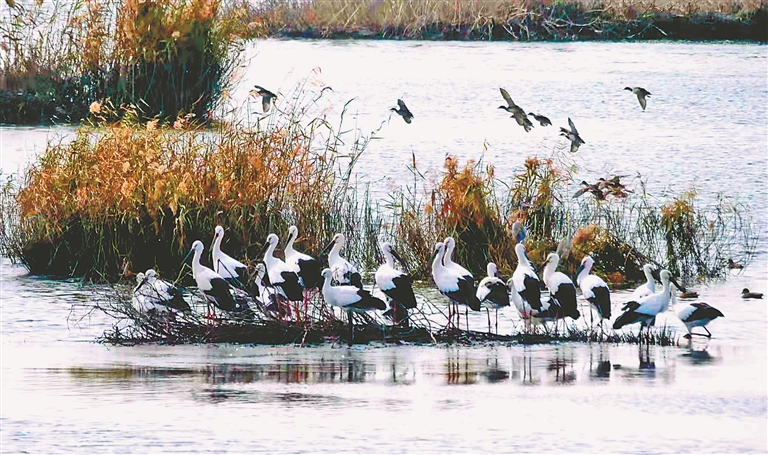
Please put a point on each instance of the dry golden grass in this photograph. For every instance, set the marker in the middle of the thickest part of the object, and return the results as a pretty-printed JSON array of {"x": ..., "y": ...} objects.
[{"x": 411, "y": 17}]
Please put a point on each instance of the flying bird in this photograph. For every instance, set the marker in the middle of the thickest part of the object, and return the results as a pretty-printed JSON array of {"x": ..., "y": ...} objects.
[
  {"x": 641, "y": 94},
  {"x": 572, "y": 135},
  {"x": 517, "y": 112},
  {"x": 403, "y": 111},
  {"x": 543, "y": 121},
  {"x": 266, "y": 96}
]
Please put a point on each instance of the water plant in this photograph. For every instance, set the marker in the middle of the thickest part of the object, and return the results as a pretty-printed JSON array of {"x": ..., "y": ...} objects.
[
  {"x": 499, "y": 20},
  {"x": 165, "y": 60},
  {"x": 131, "y": 196}
]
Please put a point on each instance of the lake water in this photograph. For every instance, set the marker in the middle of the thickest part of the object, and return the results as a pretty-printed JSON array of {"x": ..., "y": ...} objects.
[{"x": 706, "y": 124}]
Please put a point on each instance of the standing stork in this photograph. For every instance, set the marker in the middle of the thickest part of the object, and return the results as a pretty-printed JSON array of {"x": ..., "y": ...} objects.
[
  {"x": 307, "y": 267},
  {"x": 349, "y": 298},
  {"x": 343, "y": 271},
  {"x": 525, "y": 282},
  {"x": 594, "y": 289},
  {"x": 645, "y": 310},
  {"x": 646, "y": 289},
  {"x": 561, "y": 287},
  {"x": 457, "y": 287},
  {"x": 215, "y": 289},
  {"x": 450, "y": 246},
  {"x": 396, "y": 285},
  {"x": 232, "y": 270},
  {"x": 280, "y": 274},
  {"x": 697, "y": 315},
  {"x": 493, "y": 291}
]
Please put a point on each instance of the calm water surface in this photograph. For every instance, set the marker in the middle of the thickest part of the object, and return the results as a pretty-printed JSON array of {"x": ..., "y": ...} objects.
[{"x": 706, "y": 124}]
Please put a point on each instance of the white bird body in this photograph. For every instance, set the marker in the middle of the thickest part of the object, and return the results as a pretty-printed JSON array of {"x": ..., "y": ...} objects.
[
  {"x": 526, "y": 285},
  {"x": 229, "y": 268},
  {"x": 594, "y": 289},
  {"x": 455, "y": 282},
  {"x": 647, "y": 288},
  {"x": 349, "y": 297},
  {"x": 213, "y": 285},
  {"x": 395, "y": 284},
  {"x": 561, "y": 287},
  {"x": 645, "y": 310},
  {"x": 142, "y": 295},
  {"x": 305, "y": 266},
  {"x": 281, "y": 275},
  {"x": 343, "y": 271},
  {"x": 492, "y": 290},
  {"x": 697, "y": 315}
]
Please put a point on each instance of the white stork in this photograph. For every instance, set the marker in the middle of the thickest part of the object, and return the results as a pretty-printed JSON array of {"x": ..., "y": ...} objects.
[
  {"x": 232, "y": 270},
  {"x": 280, "y": 274},
  {"x": 645, "y": 310},
  {"x": 215, "y": 289},
  {"x": 561, "y": 287},
  {"x": 594, "y": 289},
  {"x": 395, "y": 284},
  {"x": 343, "y": 271},
  {"x": 697, "y": 315},
  {"x": 349, "y": 298},
  {"x": 307, "y": 267},
  {"x": 458, "y": 287},
  {"x": 525, "y": 282},
  {"x": 646, "y": 289},
  {"x": 166, "y": 293},
  {"x": 493, "y": 291}
]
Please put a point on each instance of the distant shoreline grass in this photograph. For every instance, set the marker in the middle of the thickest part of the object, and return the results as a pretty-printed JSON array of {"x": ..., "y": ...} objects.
[{"x": 531, "y": 20}]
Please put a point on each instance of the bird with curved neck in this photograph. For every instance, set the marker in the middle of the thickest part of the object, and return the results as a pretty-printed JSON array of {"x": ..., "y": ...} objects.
[
  {"x": 307, "y": 267},
  {"x": 647, "y": 288},
  {"x": 561, "y": 287},
  {"x": 232, "y": 270},
  {"x": 462, "y": 291},
  {"x": 493, "y": 292},
  {"x": 166, "y": 293},
  {"x": 644, "y": 310},
  {"x": 349, "y": 298},
  {"x": 458, "y": 288},
  {"x": 594, "y": 289},
  {"x": 526, "y": 284},
  {"x": 395, "y": 284},
  {"x": 215, "y": 289},
  {"x": 281, "y": 276},
  {"x": 343, "y": 271}
]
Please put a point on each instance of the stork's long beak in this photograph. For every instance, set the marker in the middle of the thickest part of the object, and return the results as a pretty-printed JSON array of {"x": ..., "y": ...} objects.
[
  {"x": 677, "y": 285},
  {"x": 399, "y": 259},
  {"x": 187, "y": 256},
  {"x": 262, "y": 251},
  {"x": 327, "y": 247},
  {"x": 578, "y": 270}
]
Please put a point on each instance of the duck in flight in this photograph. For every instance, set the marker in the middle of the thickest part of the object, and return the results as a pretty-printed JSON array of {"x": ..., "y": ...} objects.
[
  {"x": 543, "y": 121},
  {"x": 403, "y": 111},
  {"x": 641, "y": 94},
  {"x": 572, "y": 136},
  {"x": 266, "y": 96},
  {"x": 517, "y": 112}
]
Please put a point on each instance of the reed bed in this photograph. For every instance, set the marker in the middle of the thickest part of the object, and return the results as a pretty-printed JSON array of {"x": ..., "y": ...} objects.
[
  {"x": 129, "y": 197},
  {"x": 523, "y": 20},
  {"x": 68, "y": 61}
]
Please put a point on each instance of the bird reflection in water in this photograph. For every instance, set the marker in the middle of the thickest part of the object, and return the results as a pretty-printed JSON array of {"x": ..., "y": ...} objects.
[
  {"x": 459, "y": 371},
  {"x": 600, "y": 368},
  {"x": 527, "y": 368},
  {"x": 698, "y": 354},
  {"x": 647, "y": 361},
  {"x": 560, "y": 364},
  {"x": 493, "y": 373}
]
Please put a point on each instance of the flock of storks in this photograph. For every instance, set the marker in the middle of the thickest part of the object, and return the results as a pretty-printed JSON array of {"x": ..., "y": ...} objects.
[
  {"x": 279, "y": 282},
  {"x": 294, "y": 278}
]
